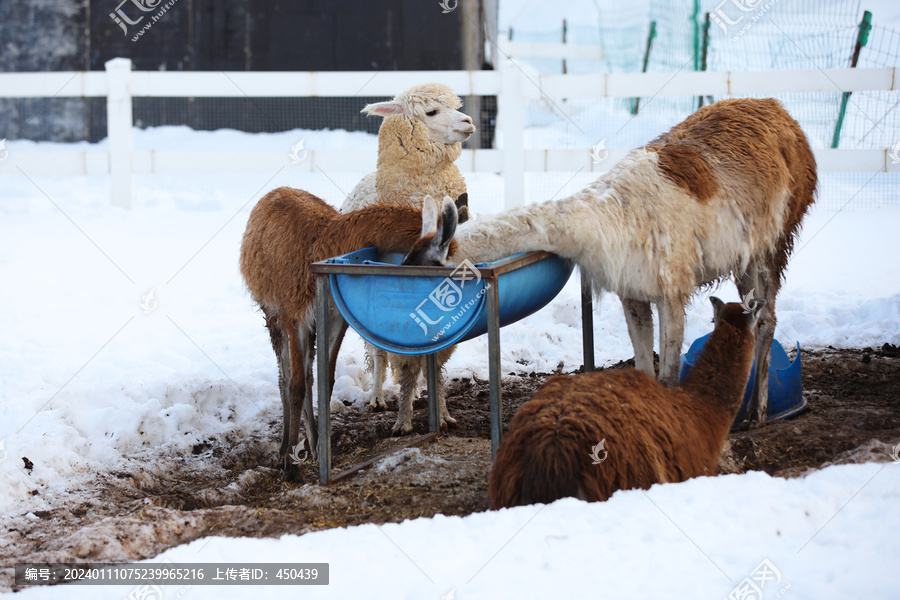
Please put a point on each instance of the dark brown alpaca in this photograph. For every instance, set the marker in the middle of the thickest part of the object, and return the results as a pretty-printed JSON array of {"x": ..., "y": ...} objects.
[
  {"x": 653, "y": 434},
  {"x": 287, "y": 231}
]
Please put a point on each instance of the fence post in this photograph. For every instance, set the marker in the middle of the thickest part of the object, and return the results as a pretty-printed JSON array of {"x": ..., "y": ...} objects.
[
  {"x": 650, "y": 37},
  {"x": 118, "y": 127},
  {"x": 703, "y": 56},
  {"x": 510, "y": 125},
  {"x": 862, "y": 38}
]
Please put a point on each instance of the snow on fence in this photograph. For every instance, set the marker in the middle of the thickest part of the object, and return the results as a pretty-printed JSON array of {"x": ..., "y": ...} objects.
[{"x": 512, "y": 85}]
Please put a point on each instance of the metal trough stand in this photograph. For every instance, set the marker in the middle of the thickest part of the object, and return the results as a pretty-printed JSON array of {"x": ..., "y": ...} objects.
[{"x": 324, "y": 305}]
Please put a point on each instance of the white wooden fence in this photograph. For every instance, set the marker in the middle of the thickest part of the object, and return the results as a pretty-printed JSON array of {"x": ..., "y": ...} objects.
[{"x": 512, "y": 85}]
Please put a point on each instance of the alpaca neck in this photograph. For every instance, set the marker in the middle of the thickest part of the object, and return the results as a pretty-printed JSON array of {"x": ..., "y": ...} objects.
[
  {"x": 720, "y": 376},
  {"x": 404, "y": 141},
  {"x": 572, "y": 228},
  {"x": 388, "y": 228},
  {"x": 492, "y": 237}
]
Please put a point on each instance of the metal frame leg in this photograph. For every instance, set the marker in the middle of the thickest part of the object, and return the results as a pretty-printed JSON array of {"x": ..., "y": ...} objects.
[
  {"x": 587, "y": 322},
  {"x": 323, "y": 291},
  {"x": 431, "y": 375},
  {"x": 493, "y": 325}
]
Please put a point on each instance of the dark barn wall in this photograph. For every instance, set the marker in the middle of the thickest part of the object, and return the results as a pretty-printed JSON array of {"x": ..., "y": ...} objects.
[
  {"x": 217, "y": 35},
  {"x": 44, "y": 36}
]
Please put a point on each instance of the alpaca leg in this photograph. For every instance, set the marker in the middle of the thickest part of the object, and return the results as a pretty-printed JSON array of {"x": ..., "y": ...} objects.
[
  {"x": 409, "y": 379},
  {"x": 308, "y": 345},
  {"x": 446, "y": 420},
  {"x": 662, "y": 339},
  {"x": 671, "y": 337},
  {"x": 283, "y": 357},
  {"x": 299, "y": 345},
  {"x": 767, "y": 289},
  {"x": 337, "y": 327},
  {"x": 377, "y": 358},
  {"x": 640, "y": 329}
]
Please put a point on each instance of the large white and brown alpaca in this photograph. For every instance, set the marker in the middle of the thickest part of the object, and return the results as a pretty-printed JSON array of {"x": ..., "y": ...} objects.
[
  {"x": 649, "y": 433},
  {"x": 418, "y": 142},
  {"x": 722, "y": 193},
  {"x": 287, "y": 231}
]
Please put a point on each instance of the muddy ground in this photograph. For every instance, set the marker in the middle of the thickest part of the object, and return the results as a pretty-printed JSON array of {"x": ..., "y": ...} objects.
[{"x": 853, "y": 416}]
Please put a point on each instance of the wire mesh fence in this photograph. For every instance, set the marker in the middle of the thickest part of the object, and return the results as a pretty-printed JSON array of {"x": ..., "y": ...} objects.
[{"x": 740, "y": 35}]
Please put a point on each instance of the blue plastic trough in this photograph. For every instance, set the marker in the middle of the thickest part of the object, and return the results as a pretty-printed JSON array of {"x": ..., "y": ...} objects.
[
  {"x": 420, "y": 310},
  {"x": 785, "y": 388},
  {"x": 421, "y": 315}
]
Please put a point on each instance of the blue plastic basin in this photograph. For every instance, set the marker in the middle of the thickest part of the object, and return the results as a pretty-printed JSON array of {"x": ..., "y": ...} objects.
[
  {"x": 421, "y": 315},
  {"x": 785, "y": 387}
]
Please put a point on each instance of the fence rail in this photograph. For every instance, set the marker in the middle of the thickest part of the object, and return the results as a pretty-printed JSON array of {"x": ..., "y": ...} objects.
[{"x": 513, "y": 86}]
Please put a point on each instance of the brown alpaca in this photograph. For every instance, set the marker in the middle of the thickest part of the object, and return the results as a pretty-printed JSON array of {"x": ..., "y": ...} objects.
[
  {"x": 287, "y": 231},
  {"x": 652, "y": 434}
]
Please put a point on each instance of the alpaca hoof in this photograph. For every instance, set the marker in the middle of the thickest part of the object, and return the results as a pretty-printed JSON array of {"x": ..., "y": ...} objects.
[
  {"x": 749, "y": 424},
  {"x": 290, "y": 471},
  {"x": 377, "y": 406},
  {"x": 401, "y": 429},
  {"x": 448, "y": 423}
]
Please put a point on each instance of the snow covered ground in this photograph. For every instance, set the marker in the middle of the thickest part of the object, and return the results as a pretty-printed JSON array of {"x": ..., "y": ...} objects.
[
  {"x": 96, "y": 375},
  {"x": 828, "y": 535}
]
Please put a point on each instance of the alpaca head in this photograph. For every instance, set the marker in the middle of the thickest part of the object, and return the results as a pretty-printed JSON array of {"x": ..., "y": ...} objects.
[
  {"x": 736, "y": 315},
  {"x": 433, "y": 245},
  {"x": 435, "y": 106}
]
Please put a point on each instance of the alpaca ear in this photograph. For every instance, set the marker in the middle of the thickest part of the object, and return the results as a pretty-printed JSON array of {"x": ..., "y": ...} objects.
[
  {"x": 718, "y": 305},
  {"x": 384, "y": 109},
  {"x": 462, "y": 208},
  {"x": 449, "y": 219},
  {"x": 754, "y": 313},
  {"x": 429, "y": 217}
]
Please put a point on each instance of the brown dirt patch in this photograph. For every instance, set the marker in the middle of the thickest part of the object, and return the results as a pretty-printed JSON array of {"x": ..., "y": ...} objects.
[{"x": 853, "y": 416}]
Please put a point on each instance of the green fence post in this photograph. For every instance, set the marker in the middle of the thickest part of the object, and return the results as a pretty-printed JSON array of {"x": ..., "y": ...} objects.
[
  {"x": 704, "y": 52},
  {"x": 650, "y": 37},
  {"x": 865, "y": 26},
  {"x": 696, "y": 23}
]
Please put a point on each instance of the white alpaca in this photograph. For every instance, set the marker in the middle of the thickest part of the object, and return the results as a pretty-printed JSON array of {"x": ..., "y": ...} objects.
[
  {"x": 418, "y": 143},
  {"x": 722, "y": 193}
]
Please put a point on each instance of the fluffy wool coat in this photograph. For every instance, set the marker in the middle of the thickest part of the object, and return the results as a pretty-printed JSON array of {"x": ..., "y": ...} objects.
[
  {"x": 410, "y": 166},
  {"x": 287, "y": 231},
  {"x": 592, "y": 434},
  {"x": 722, "y": 193}
]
